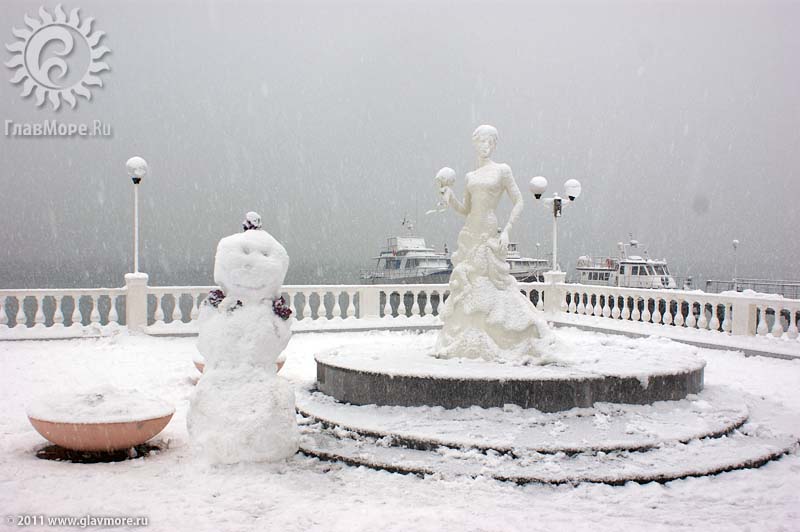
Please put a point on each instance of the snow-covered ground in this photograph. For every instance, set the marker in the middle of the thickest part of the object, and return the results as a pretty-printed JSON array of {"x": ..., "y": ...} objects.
[{"x": 178, "y": 492}]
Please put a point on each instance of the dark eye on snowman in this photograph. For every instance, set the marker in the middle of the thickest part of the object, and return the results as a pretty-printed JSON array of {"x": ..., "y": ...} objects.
[
  {"x": 265, "y": 253},
  {"x": 246, "y": 251}
]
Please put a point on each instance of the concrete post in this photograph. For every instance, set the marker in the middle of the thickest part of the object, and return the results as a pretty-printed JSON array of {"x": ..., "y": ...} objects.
[
  {"x": 369, "y": 298},
  {"x": 136, "y": 301},
  {"x": 744, "y": 318},
  {"x": 553, "y": 291}
]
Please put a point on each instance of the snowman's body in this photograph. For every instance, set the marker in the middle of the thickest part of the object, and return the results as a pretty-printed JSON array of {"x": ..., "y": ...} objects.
[{"x": 241, "y": 410}]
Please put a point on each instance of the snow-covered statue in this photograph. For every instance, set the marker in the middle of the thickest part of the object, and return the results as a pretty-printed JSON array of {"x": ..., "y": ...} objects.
[
  {"x": 485, "y": 315},
  {"x": 241, "y": 410}
]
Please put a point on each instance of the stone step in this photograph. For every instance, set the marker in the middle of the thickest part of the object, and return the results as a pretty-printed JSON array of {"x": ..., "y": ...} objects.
[
  {"x": 605, "y": 427},
  {"x": 746, "y": 447}
]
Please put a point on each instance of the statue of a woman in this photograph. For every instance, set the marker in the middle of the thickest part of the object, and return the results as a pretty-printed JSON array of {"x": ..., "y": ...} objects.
[{"x": 485, "y": 315}]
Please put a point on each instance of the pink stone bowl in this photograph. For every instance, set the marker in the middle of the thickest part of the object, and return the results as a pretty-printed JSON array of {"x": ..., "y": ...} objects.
[{"x": 100, "y": 436}]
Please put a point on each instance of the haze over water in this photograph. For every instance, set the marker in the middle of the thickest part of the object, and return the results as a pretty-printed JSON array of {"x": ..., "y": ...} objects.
[{"x": 330, "y": 119}]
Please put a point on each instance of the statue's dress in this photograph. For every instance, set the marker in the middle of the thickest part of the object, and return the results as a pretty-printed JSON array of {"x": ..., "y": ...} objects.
[{"x": 485, "y": 315}]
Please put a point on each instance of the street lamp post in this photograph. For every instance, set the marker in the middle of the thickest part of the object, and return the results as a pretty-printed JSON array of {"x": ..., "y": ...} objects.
[
  {"x": 735, "y": 247},
  {"x": 137, "y": 169},
  {"x": 572, "y": 188}
]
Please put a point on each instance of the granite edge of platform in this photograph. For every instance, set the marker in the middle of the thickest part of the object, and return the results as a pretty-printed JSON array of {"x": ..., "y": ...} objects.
[
  {"x": 359, "y": 387},
  {"x": 415, "y": 441},
  {"x": 752, "y": 462}
]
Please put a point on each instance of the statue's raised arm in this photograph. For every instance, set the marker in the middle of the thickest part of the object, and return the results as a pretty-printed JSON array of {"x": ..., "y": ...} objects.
[{"x": 445, "y": 179}]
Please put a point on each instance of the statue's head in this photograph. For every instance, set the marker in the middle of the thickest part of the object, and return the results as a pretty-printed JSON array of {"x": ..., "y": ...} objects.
[
  {"x": 484, "y": 138},
  {"x": 250, "y": 266}
]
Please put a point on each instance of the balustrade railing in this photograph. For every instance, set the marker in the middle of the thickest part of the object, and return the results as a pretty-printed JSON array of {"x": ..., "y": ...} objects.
[
  {"x": 307, "y": 302},
  {"x": 61, "y": 313},
  {"x": 98, "y": 311},
  {"x": 740, "y": 315}
]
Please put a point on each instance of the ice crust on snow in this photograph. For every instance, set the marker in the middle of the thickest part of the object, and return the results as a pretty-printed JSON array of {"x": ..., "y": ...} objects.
[
  {"x": 601, "y": 427},
  {"x": 751, "y": 293},
  {"x": 179, "y": 491},
  {"x": 578, "y": 355},
  {"x": 102, "y": 404}
]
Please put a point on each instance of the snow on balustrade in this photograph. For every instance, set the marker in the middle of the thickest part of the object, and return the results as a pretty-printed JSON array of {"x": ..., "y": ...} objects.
[
  {"x": 406, "y": 300},
  {"x": 746, "y": 314},
  {"x": 168, "y": 304},
  {"x": 58, "y": 313}
]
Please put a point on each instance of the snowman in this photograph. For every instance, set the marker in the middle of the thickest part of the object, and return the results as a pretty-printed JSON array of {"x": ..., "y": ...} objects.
[{"x": 241, "y": 410}]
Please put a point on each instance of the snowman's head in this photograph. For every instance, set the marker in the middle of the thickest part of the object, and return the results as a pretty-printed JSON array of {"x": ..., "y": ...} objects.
[{"x": 250, "y": 266}]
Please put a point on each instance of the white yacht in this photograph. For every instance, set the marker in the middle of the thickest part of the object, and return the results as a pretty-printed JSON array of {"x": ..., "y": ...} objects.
[
  {"x": 525, "y": 269},
  {"x": 408, "y": 260},
  {"x": 627, "y": 270}
]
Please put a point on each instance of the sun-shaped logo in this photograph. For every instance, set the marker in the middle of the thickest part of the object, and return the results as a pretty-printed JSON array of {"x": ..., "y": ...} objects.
[{"x": 58, "y": 57}]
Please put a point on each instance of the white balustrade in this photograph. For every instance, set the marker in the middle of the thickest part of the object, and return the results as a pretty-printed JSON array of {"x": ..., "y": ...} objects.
[
  {"x": 195, "y": 312},
  {"x": 319, "y": 311},
  {"x": 306, "y": 305},
  {"x": 113, "y": 316},
  {"x": 3, "y": 315},
  {"x": 58, "y": 311},
  {"x": 656, "y": 315},
  {"x": 177, "y": 313},
  {"x": 626, "y": 310},
  {"x": 75, "y": 317},
  {"x": 678, "y": 318},
  {"x": 168, "y": 314},
  {"x": 714, "y": 322},
  {"x": 290, "y": 300},
  {"x": 646, "y": 314},
  {"x": 428, "y": 308},
  {"x": 94, "y": 316},
  {"x": 38, "y": 317},
  {"x": 80, "y": 312},
  {"x": 20, "y": 320},
  {"x": 415, "y": 304},
  {"x": 387, "y": 305},
  {"x": 762, "y": 328},
  {"x": 46, "y": 309},
  {"x": 792, "y": 331},
  {"x": 726, "y": 319},
  {"x": 736, "y": 315}
]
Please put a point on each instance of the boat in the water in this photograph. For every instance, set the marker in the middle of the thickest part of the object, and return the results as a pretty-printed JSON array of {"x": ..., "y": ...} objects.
[
  {"x": 525, "y": 269},
  {"x": 628, "y": 269},
  {"x": 409, "y": 260}
]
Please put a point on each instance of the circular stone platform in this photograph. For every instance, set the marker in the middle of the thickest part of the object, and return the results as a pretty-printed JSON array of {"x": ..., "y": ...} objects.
[
  {"x": 400, "y": 370},
  {"x": 604, "y": 428}
]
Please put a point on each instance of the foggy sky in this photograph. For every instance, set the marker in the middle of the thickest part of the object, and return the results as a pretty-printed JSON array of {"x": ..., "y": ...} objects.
[{"x": 680, "y": 119}]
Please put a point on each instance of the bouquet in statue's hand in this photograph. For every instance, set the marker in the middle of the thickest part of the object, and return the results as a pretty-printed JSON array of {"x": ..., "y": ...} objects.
[{"x": 445, "y": 179}]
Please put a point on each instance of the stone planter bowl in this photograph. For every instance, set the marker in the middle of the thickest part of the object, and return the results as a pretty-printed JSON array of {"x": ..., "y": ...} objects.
[
  {"x": 101, "y": 419},
  {"x": 100, "y": 436}
]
